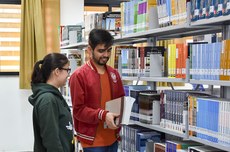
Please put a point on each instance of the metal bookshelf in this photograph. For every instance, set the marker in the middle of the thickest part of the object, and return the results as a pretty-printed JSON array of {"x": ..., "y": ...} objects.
[
  {"x": 161, "y": 129},
  {"x": 130, "y": 78},
  {"x": 221, "y": 20},
  {"x": 211, "y": 82},
  {"x": 175, "y": 31},
  {"x": 121, "y": 41},
  {"x": 162, "y": 79},
  {"x": 205, "y": 142},
  {"x": 154, "y": 79},
  {"x": 200, "y": 27},
  {"x": 79, "y": 45}
]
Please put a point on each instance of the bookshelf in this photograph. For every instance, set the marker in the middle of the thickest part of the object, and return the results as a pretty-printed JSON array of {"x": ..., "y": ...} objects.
[
  {"x": 76, "y": 55},
  {"x": 200, "y": 27}
]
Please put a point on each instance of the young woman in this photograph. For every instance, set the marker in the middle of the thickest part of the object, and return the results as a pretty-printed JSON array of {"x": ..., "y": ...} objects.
[{"x": 52, "y": 121}]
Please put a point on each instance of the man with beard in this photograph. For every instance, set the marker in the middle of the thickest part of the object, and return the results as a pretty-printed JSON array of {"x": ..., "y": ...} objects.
[{"x": 91, "y": 86}]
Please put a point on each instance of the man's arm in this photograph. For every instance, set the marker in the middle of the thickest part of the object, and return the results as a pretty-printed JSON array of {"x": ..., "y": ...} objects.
[{"x": 82, "y": 112}]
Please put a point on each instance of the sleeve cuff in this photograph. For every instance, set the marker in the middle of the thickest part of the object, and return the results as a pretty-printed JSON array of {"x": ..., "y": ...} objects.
[{"x": 102, "y": 114}]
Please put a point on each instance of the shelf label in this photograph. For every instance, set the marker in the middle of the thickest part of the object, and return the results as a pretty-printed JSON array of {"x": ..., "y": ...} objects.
[
  {"x": 211, "y": 9},
  {"x": 228, "y": 5},
  {"x": 220, "y": 7}
]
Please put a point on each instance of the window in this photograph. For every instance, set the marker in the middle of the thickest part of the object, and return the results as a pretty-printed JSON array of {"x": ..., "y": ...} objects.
[{"x": 10, "y": 19}]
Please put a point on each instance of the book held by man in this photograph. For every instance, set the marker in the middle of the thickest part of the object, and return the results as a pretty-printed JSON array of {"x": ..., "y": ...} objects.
[{"x": 121, "y": 106}]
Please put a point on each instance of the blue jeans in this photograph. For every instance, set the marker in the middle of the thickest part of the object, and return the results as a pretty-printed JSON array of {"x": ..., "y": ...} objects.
[{"x": 111, "y": 148}]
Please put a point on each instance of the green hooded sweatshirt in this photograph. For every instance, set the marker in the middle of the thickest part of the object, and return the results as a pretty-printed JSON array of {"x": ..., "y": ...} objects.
[{"x": 52, "y": 120}]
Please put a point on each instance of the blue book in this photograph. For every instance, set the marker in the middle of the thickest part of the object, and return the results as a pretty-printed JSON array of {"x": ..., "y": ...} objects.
[
  {"x": 218, "y": 59},
  {"x": 197, "y": 9},
  {"x": 193, "y": 6},
  {"x": 202, "y": 61},
  {"x": 205, "y": 61},
  {"x": 133, "y": 130},
  {"x": 198, "y": 116},
  {"x": 124, "y": 62},
  {"x": 216, "y": 119},
  {"x": 193, "y": 61}
]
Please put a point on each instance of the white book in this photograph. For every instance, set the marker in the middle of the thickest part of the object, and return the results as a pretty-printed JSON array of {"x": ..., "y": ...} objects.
[
  {"x": 121, "y": 106},
  {"x": 156, "y": 65}
]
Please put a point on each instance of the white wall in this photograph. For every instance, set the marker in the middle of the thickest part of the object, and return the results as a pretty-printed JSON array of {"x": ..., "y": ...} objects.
[
  {"x": 72, "y": 12},
  {"x": 16, "y": 129}
]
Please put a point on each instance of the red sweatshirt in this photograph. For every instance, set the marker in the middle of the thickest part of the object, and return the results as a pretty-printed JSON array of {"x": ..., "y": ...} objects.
[{"x": 85, "y": 89}]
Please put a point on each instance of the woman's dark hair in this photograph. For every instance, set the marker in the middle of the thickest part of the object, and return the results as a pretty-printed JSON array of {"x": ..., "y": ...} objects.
[
  {"x": 100, "y": 36},
  {"x": 43, "y": 68}
]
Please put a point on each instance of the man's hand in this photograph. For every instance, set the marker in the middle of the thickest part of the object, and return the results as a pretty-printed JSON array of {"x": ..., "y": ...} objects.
[{"x": 110, "y": 117}]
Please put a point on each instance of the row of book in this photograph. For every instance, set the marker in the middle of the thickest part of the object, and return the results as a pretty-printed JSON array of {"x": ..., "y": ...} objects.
[
  {"x": 155, "y": 61},
  {"x": 140, "y": 139},
  {"x": 110, "y": 21},
  {"x": 141, "y": 15},
  {"x": 177, "y": 55},
  {"x": 171, "y": 12},
  {"x": 206, "y": 115},
  {"x": 174, "y": 109},
  {"x": 139, "y": 61},
  {"x": 75, "y": 58},
  {"x": 70, "y": 34},
  {"x": 210, "y": 61},
  {"x": 207, "y": 61},
  {"x": 209, "y": 119},
  {"x": 146, "y": 101},
  {"x": 138, "y": 15},
  {"x": 190, "y": 146},
  {"x": 134, "y": 137},
  {"x": 201, "y": 9}
]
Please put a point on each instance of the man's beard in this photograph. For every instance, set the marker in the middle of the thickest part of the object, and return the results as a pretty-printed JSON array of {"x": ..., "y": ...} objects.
[{"x": 98, "y": 61}]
